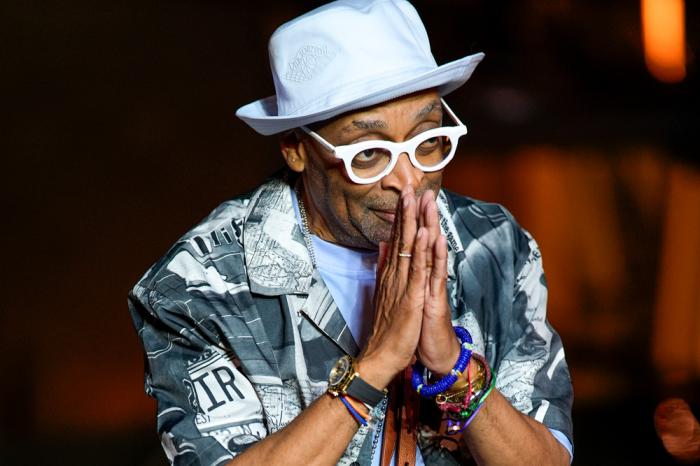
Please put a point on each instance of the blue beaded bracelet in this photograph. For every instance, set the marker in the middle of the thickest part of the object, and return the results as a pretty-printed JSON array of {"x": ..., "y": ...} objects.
[{"x": 429, "y": 391}]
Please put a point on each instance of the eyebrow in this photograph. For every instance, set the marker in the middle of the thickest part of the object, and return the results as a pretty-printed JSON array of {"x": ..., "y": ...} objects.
[
  {"x": 381, "y": 124},
  {"x": 366, "y": 124},
  {"x": 434, "y": 105}
]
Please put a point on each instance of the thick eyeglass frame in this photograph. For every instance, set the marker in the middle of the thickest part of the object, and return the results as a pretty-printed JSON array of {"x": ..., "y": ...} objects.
[{"x": 347, "y": 152}]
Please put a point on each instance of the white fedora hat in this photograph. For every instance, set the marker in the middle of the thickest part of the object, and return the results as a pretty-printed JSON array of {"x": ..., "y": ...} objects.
[{"x": 347, "y": 55}]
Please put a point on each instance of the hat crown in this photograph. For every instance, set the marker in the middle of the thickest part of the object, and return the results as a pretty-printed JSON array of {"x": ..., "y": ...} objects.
[{"x": 345, "y": 49}]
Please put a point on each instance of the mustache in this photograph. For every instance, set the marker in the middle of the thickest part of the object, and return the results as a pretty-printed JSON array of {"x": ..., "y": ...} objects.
[{"x": 392, "y": 204}]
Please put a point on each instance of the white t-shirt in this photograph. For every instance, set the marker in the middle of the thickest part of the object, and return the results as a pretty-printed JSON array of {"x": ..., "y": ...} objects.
[{"x": 350, "y": 275}]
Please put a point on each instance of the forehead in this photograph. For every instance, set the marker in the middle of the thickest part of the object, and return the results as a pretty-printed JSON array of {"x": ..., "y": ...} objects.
[{"x": 410, "y": 109}]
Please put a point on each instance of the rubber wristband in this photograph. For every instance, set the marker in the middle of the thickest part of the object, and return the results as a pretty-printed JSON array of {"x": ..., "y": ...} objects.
[{"x": 364, "y": 392}]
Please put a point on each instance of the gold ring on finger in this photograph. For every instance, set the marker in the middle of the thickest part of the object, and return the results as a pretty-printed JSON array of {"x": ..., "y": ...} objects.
[{"x": 405, "y": 254}]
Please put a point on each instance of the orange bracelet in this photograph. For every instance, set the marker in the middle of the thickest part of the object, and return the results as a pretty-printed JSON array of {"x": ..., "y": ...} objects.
[{"x": 359, "y": 407}]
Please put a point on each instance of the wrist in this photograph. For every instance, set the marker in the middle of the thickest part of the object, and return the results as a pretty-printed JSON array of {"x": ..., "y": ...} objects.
[
  {"x": 375, "y": 371},
  {"x": 446, "y": 364},
  {"x": 345, "y": 379}
]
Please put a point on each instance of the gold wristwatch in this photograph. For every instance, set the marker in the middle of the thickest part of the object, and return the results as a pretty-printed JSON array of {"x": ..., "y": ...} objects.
[{"x": 345, "y": 380}]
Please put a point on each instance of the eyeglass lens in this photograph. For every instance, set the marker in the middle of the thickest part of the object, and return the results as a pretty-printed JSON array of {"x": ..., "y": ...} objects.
[{"x": 429, "y": 153}]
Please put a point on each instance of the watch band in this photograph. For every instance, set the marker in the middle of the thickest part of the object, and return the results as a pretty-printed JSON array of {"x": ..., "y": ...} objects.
[
  {"x": 364, "y": 392},
  {"x": 344, "y": 380}
]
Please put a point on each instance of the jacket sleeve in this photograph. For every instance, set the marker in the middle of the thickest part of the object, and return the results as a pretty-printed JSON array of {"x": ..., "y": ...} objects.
[
  {"x": 533, "y": 373},
  {"x": 207, "y": 411}
]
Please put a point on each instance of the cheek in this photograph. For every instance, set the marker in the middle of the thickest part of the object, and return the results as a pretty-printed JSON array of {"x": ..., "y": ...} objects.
[
  {"x": 360, "y": 205},
  {"x": 356, "y": 203},
  {"x": 338, "y": 199},
  {"x": 432, "y": 181}
]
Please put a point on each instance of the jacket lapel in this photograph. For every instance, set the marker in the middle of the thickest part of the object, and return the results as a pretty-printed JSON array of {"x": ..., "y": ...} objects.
[{"x": 279, "y": 263}]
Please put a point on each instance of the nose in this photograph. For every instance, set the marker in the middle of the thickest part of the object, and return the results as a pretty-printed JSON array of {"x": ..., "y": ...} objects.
[{"x": 403, "y": 174}]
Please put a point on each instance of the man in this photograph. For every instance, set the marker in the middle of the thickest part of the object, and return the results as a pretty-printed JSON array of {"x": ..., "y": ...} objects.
[{"x": 268, "y": 339}]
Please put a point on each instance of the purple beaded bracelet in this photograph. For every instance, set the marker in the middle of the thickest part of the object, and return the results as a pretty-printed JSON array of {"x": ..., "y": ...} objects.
[{"x": 429, "y": 391}]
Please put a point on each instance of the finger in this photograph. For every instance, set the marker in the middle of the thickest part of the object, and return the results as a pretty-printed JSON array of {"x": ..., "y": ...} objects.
[
  {"x": 421, "y": 210},
  {"x": 390, "y": 262},
  {"x": 429, "y": 219},
  {"x": 418, "y": 275},
  {"x": 438, "y": 273},
  {"x": 382, "y": 256},
  {"x": 432, "y": 222},
  {"x": 396, "y": 226},
  {"x": 409, "y": 225}
]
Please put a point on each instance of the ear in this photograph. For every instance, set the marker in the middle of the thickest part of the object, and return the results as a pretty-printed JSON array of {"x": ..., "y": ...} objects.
[{"x": 293, "y": 150}]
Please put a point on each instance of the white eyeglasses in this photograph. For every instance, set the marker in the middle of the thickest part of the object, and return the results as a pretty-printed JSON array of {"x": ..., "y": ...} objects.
[{"x": 369, "y": 161}]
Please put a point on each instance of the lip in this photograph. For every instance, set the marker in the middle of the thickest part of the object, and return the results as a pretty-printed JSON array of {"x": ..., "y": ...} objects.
[{"x": 386, "y": 215}]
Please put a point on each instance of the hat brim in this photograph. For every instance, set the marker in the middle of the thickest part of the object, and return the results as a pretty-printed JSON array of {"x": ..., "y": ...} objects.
[{"x": 262, "y": 116}]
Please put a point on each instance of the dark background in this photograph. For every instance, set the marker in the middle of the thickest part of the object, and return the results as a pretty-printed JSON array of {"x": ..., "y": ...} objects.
[{"x": 119, "y": 134}]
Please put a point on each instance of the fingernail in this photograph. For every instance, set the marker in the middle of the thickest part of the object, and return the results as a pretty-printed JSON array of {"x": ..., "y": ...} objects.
[{"x": 405, "y": 201}]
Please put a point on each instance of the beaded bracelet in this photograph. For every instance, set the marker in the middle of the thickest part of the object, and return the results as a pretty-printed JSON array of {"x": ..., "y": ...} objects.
[
  {"x": 376, "y": 416},
  {"x": 457, "y": 422},
  {"x": 457, "y": 427},
  {"x": 429, "y": 391}
]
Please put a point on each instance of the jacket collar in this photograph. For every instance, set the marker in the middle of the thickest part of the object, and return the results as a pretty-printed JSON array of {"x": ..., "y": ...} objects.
[
  {"x": 276, "y": 257},
  {"x": 279, "y": 262}
]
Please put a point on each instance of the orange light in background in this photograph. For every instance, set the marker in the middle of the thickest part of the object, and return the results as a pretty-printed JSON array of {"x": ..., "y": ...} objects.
[
  {"x": 676, "y": 343},
  {"x": 663, "y": 32},
  {"x": 91, "y": 392}
]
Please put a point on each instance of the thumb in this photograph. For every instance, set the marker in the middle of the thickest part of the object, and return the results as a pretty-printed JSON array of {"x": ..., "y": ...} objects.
[{"x": 382, "y": 256}]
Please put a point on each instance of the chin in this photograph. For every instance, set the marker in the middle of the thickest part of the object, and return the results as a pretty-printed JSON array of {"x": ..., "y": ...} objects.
[
  {"x": 376, "y": 235},
  {"x": 368, "y": 234},
  {"x": 364, "y": 239}
]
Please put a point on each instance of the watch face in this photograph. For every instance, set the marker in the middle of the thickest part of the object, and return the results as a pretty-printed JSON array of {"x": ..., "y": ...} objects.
[{"x": 341, "y": 368}]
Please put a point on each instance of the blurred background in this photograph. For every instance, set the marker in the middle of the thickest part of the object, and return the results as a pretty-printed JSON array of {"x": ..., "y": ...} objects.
[{"x": 119, "y": 135}]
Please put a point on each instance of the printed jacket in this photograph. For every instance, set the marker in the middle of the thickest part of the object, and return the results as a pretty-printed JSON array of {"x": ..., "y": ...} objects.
[{"x": 240, "y": 331}]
